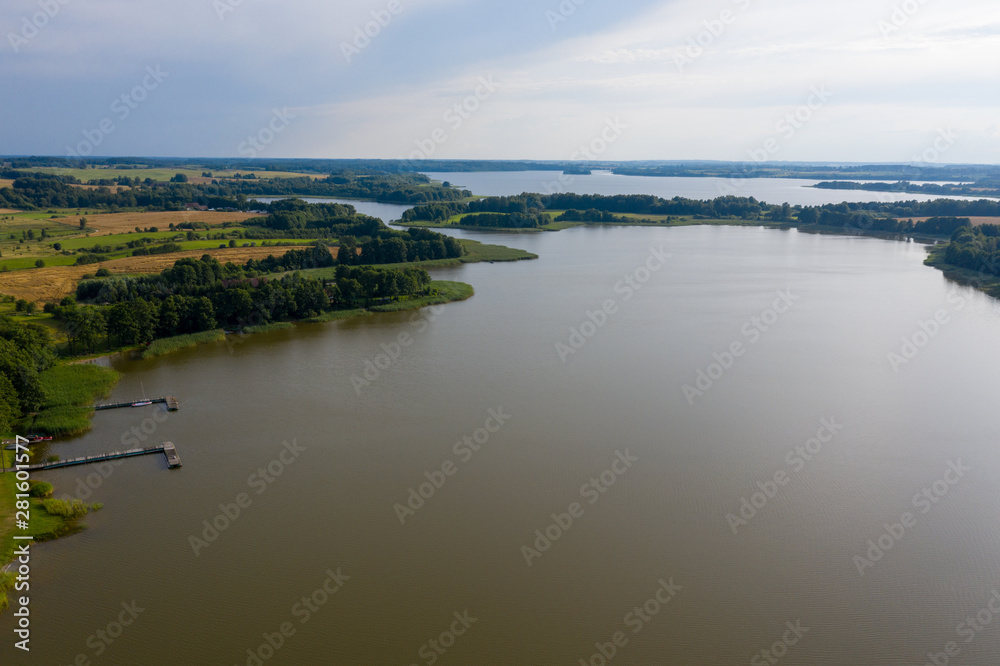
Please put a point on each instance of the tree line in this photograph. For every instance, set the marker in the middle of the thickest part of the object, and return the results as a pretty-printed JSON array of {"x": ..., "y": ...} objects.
[
  {"x": 976, "y": 249},
  {"x": 597, "y": 209},
  {"x": 25, "y": 351},
  {"x": 197, "y": 295},
  {"x": 39, "y": 190}
]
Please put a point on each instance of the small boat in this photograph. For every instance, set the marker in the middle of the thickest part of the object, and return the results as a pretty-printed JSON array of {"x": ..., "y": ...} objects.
[
  {"x": 33, "y": 439},
  {"x": 142, "y": 404}
]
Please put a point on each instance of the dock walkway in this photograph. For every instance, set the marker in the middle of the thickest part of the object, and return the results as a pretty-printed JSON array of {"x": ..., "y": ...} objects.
[
  {"x": 170, "y": 401},
  {"x": 167, "y": 449}
]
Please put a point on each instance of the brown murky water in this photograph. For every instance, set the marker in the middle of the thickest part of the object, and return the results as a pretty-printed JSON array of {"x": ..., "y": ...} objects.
[{"x": 626, "y": 499}]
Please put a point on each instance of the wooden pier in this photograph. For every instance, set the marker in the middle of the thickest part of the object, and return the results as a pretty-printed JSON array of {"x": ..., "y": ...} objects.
[
  {"x": 173, "y": 460},
  {"x": 170, "y": 401},
  {"x": 167, "y": 449}
]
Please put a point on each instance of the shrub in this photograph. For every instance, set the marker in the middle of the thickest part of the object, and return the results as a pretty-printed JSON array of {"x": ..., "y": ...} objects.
[
  {"x": 40, "y": 489},
  {"x": 68, "y": 510}
]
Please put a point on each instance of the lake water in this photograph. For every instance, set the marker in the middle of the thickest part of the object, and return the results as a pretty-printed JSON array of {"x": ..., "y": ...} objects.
[
  {"x": 630, "y": 477},
  {"x": 387, "y": 212},
  {"x": 772, "y": 190}
]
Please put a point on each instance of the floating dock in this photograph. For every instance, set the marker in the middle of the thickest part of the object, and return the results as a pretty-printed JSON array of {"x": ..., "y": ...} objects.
[
  {"x": 167, "y": 449},
  {"x": 170, "y": 401},
  {"x": 173, "y": 460}
]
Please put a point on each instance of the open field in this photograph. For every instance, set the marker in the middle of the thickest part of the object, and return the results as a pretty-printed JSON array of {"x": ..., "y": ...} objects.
[
  {"x": 164, "y": 175},
  {"x": 114, "y": 188},
  {"x": 117, "y": 223},
  {"x": 51, "y": 283},
  {"x": 4, "y": 182},
  {"x": 976, "y": 221}
]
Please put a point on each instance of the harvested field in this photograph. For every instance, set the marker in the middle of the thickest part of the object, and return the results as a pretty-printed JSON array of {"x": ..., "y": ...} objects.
[
  {"x": 121, "y": 223},
  {"x": 114, "y": 188},
  {"x": 52, "y": 283},
  {"x": 4, "y": 182},
  {"x": 976, "y": 221}
]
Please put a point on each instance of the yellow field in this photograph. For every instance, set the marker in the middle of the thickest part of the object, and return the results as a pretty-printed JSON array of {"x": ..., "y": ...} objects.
[
  {"x": 976, "y": 221},
  {"x": 122, "y": 223},
  {"x": 47, "y": 285},
  {"x": 114, "y": 188},
  {"x": 6, "y": 183}
]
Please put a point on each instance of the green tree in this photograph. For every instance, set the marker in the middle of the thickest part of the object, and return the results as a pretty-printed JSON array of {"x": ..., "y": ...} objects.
[
  {"x": 202, "y": 314},
  {"x": 10, "y": 406},
  {"x": 170, "y": 318},
  {"x": 85, "y": 327}
]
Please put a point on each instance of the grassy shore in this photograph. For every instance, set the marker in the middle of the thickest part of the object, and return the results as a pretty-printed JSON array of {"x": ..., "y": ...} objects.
[
  {"x": 70, "y": 391},
  {"x": 984, "y": 282},
  {"x": 49, "y": 519},
  {"x": 176, "y": 343},
  {"x": 442, "y": 291}
]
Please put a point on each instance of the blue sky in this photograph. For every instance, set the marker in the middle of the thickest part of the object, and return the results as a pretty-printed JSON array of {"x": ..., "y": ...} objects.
[{"x": 837, "y": 80}]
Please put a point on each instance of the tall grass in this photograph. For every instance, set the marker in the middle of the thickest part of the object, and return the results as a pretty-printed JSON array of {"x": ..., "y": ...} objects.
[
  {"x": 337, "y": 315},
  {"x": 442, "y": 291},
  {"x": 77, "y": 384},
  {"x": 476, "y": 251},
  {"x": 169, "y": 345},
  {"x": 70, "y": 391},
  {"x": 265, "y": 328},
  {"x": 6, "y": 583},
  {"x": 60, "y": 421}
]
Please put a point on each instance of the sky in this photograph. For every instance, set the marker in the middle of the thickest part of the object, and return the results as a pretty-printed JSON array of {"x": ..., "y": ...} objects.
[{"x": 804, "y": 80}]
